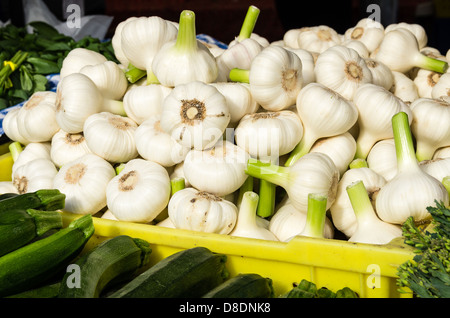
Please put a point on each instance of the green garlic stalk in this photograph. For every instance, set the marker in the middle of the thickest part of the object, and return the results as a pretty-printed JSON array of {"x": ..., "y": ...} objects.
[
  {"x": 249, "y": 23},
  {"x": 15, "y": 148},
  {"x": 316, "y": 215},
  {"x": 177, "y": 184}
]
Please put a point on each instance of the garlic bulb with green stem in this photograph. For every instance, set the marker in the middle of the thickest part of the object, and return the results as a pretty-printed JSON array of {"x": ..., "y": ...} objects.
[
  {"x": 288, "y": 222},
  {"x": 140, "y": 192},
  {"x": 83, "y": 181},
  {"x": 430, "y": 126},
  {"x": 381, "y": 74},
  {"x": 340, "y": 148},
  {"x": 370, "y": 229},
  {"x": 382, "y": 158},
  {"x": 185, "y": 59},
  {"x": 248, "y": 25},
  {"x": 376, "y": 106},
  {"x": 441, "y": 90},
  {"x": 246, "y": 224},
  {"x": 367, "y": 31},
  {"x": 312, "y": 173},
  {"x": 200, "y": 211},
  {"x": 239, "y": 99},
  {"x": 341, "y": 211},
  {"x": 66, "y": 147},
  {"x": 324, "y": 113},
  {"x": 404, "y": 87},
  {"x": 342, "y": 69},
  {"x": 425, "y": 81},
  {"x": 34, "y": 175},
  {"x": 275, "y": 78},
  {"x": 77, "y": 98},
  {"x": 195, "y": 115},
  {"x": 77, "y": 58},
  {"x": 399, "y": 50},
  {"x": 154, "y": 144},
  {"x": 141, "y": 102},
  {"x": 416, "y": 29},
  {"x": 219, "y": 170},
  {"x": 111, "y": 136},
  {"x": 318, "y": 38},
  {"x": 142, "y": 38},
  {"x": 411, "y": 190},
  {"x": 36, "y": 119}
]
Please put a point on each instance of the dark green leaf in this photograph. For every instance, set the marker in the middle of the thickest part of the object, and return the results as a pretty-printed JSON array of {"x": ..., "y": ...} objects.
[
  {"x": 41, "y": 66},
  {"x": 43, "y": 29},
  {"x": 26, "y": 80}
]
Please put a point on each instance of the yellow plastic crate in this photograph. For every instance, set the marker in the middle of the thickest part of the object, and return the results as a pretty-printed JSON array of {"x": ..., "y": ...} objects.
[{"x": 370, "y": 270}]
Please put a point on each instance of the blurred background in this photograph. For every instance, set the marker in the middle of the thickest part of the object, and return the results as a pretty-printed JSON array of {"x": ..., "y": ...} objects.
[{"x": 222, "y": 19}]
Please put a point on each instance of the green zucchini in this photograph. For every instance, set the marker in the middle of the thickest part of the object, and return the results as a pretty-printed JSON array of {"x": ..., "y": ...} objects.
[
  {"x": 188, "y": 273},
  {"x": 46, "y": 291},
  {"x": 5, "y": 196},
  {"x": 50, "y": 200},
  {"x": 20, "y": 227},
  {"x": 34, "y": 264},
  {"x": 112, "y": 261},
  {"x": 243, "y": 286}
]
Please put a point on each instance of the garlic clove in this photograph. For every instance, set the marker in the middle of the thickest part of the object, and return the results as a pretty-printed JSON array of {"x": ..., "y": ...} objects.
[
  {"x": 116, "y": 42},
  {"x": 404, "y": 88},
  {"x": 308, "y": 63},
  {"x": 441, "y": 90},
  {"x": 418, "y": 31},
  {"x": 382, "y": 158},
  {"x": 425, "y": 82},
  {"x": 77, "y": 58},
  {"x": 32, "y": 151},
  {"x": 66, "y": 147},
  {"x": 10, "y": 127},
  {"x": 381, "y": 74}
]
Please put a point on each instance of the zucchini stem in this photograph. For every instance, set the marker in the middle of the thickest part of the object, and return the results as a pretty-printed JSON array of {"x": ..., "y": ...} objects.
[{"x": 45, "y": 220}]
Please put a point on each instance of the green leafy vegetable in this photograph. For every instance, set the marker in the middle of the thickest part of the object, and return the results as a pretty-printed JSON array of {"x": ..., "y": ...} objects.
[{"x": 427, "y": 275}]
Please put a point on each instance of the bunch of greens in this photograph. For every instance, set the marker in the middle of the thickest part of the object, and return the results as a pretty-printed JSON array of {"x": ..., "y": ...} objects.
[
  {"x": 427, "y": 275},
  {"x": 26, "y": 58},
  {"x": 307, "y": 289}
]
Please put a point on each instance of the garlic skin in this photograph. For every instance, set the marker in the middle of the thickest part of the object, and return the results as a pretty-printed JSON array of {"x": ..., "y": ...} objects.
[
  {"x": 367, "y": 31},
  {"x": 32, "y": 151},
  {"x": 239, "y": 99},
  {"x": 430, "y": 126},
  {"x": 225, "y": 162},
  {"x": 358, "y": 46},
  {"x": 381, "y": 74},
  {"x": 340, "y": 148},
  {"x": 77, "y": 98},
  {"x": 290, "y": 37},
  {"x": 269, "y": 135},
  {"x": 331, "y": 115},
  {"x": 34, "y": 175},
  {"x": 425, "y": 81},
  {"x": 84, "y": 182},
  {"x": 275, "y": 78},
  {"x": 247, "y": 224},
  {"x": 194, "y": 210},
  {"x": 254, "y": 36},
  {"x": 109, "y": 79},
  {"x": 416, "y": 29},
  {"x": 318, "y": 38},
  {"x": 342, "y": 214},
  {"x": 36, "y": 119},
  {"x": 342, "y": 69},
  {"x": 443, "y": 152},
  {"x": 382, "y": 158},
  {"x": 77, "y": 58},
  {"x": 116, "y": 42},
  {"x": 154, "y": 144},
  {"x": 10, "y": 127},
  {"x": 142, "y": 102},
  {"x": 239, "y": 56},
  {"x": 376, "y": 106},
  {"x": 140, "y": 192},
  {"x": 7, "y": 187},
  {"x": 143, "y": 37},
  {"x": 441, "y": 90},
  {"x": 411, "y": 190},
  {"x": 404, "y": 87},
  {"x": 66, "y": 147},
  {"x": 111, "y": 136},
  {"x": 195, "y": 115},
  {"x": 308, "y": 64},
  {"x": 288, "y": 222}
]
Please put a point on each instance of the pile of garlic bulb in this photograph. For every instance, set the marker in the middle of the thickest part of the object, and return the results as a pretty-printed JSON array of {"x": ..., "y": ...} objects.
[{"x": 115, "y": 136}]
